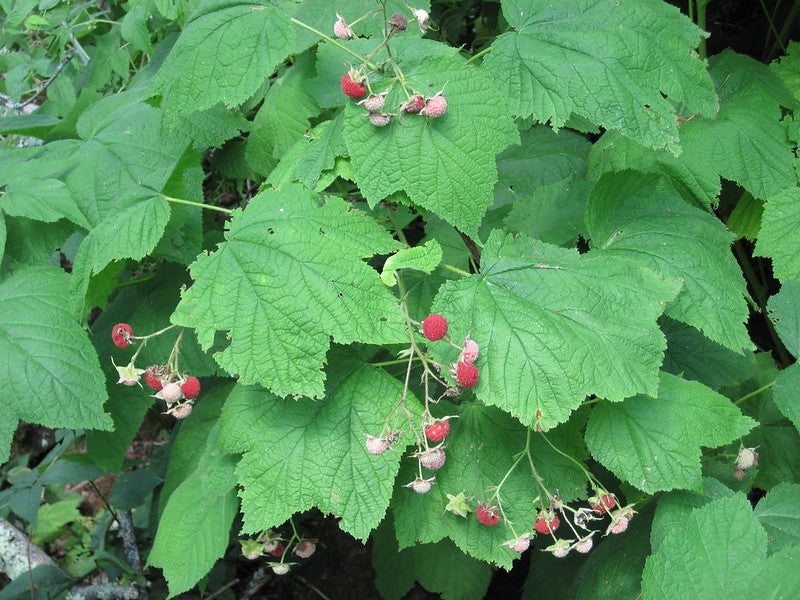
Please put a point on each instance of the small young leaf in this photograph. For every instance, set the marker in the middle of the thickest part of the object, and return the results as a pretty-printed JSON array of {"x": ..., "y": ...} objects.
[{"x": 423, "y": 258}]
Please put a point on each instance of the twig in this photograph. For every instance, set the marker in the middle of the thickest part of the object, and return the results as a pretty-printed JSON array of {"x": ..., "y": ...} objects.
[
  {"x": 45, "y": 85},
  {"x": 129, "y": 540},
  {"x": 312, "y": 586},
  {"x": 227, "y": 586}
]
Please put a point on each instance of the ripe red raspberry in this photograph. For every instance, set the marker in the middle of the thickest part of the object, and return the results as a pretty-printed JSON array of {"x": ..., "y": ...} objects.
[
  {"x": 353, "y": 88},
  {"x": 602, "y": 504},
  {"x": 122, "y": 335},
  {"x": 414, "y": 104},
  {"x": 487, "y": 514},
  {"x": 467, "y": 374},
  {"x": 435, "y": 107},
  {"x": 279, "y": 550},
  {"x": 434, "y": 327},
  {"x": 437, "y": 430},
  {"x": 432, "y": 459},
  {"x": 547, "y": 522},
  {"x": 190, "y": 388},
  {"x": 151, "y": 379}
]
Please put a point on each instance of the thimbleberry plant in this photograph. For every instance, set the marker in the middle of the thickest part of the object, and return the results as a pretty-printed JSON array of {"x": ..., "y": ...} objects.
[{"x": 491, "y": 283}]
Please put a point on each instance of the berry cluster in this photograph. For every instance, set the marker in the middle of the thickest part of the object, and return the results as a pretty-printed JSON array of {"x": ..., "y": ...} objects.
[
  {"x": 178, "y": 390},
  {"x": 434, "y": 327},
  {"x": 355, "y": 83},
  {"x": 270, "y": 543}
]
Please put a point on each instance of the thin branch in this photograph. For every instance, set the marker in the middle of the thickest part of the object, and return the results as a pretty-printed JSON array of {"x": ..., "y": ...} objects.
[{"x": 45, "y": 85}]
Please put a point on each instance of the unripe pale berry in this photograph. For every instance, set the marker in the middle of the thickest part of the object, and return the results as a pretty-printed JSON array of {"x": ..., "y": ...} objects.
[
  {"x": 341, "y": 30},
  {"x": 435, "y": 107},
  {"x": 432, "y": 459},
  {"x": 374, "y": 102},
  {"x": 519, "y": 544},
  {"x": 469, "y": 353},
  {"x": 376, "y": 445},
  {"x": 421, "y": 486},
  {"x": 181, "y": 411},
  {"x": 170, "y": 393},
  {"x": 584, "y": 545},
  {"x": 379, "y": 119},
  {"x": 305, "y": 548}
]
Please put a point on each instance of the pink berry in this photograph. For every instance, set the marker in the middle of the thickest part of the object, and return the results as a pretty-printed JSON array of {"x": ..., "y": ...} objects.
[
  {"x": 374, "y": 102},
  {"x": 341, "y": 30},
  {"x": 122, "y": 335},
  {"x": 437, "y": 430},
  {"x": 181, "y": 411},
  {"x": 435, "y": 107},
  {"x": 434, "y": 327},
  {"x": 305, "y": 548},
  {"x": 487, "y": 514},
  {"x": 602, "y": 504},
  {"x": 414, "y": 104},
  {"x": 376, "y": 445},
  {"x": 519, "y": 544},
  {"x": 432, "y": 459},
  {"x": 421, "y": 486},
  {"x": 469, "y": 353},
  {"x": 379, "y": 119},
  {"x": 190, "y": 388},
  {"x": 170, "y": 393},
  {"x": 584, "y": 545},
  {"x": 619, "y": 526},
  {"x": 467, "y": 374}
]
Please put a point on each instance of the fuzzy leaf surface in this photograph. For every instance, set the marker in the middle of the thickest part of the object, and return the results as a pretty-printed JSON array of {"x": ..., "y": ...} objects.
[
  {"x": 787, "y": 393},
  {"x": 747, "y": 130},
  {"x": 606, "y": 61},
  {"x": 425, "y": 257},
  {"x": 480, "y": 451},
  {"x": 654, "y": 442},
  {"x": 706, "y": 557},
  {"x": 779, "y": 514},
  {"x": 638, "y": 216},
  {"x": 555, "y": 326},
  {"x": 444, "y": 164},
  {"x": 50, "y": 372},
  {"x": 777, "y": 238},
  {"x": 194, "y": 527},
  {"x": 300, "y": 453},
  {"x": 224, "y": 53},
  {"x": 783, "y": 310},
  {"x": 289, "y": 277}
]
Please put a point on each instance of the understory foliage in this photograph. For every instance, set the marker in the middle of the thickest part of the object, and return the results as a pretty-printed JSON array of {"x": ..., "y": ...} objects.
[{"x": 606, "y": 218}]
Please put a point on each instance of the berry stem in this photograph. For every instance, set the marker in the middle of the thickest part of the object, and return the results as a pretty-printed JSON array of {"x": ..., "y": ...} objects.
[
  {"x": 479, "y": 54},
  {"x": 341, "y": 46},
  {"x": 388, "y": 363},
  {"x": 455, "y": 269},
  {"x": 754, "y": 393},
  {"x": 592, "y": 480},
  {"x": 227, "y": 211}
]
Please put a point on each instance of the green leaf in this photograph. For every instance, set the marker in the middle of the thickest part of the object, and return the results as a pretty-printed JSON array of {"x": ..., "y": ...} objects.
[
  {"x": 787, "y": 68},
  {"x": 34, "y": 243},
  {"x": 482, "y": 447},
  {"x": 213, "y": 126},
  {"x": 779, "y": 578},
  {"x": 692, "y": 355},
  {"x": 283, "y": 117},
  {"x": 444, "y": 164},
  {"x": 747, "y": 130},
  {"x": 133, "y": 26},
  {"x": 654, "y": 442},
  {"x": 41, "y": 199},
  {"x": 784, "y": 311},
  {"x": 299, "y": 453},
  {"x": 779, "y": 514},
  {"x": 548, "y": 341},
  {"x": 35, "y": 125},
  {"x": 776, "y": 240},
  {"x": 2, "y": 237},
  {"x": 612, "y": 63},
  {"x": 638, "y": 217},
  {"x": 716, "y": 553},
  {"x": 62, "y": 384},
  {"x": 53, "y": 516},
  {"x": 423, "y": 258},
  {"x": 745, "y": 219},
  {"x": 310, "y": 156},
  {"x": 289, "y": 277},
  {"x": 464, "y": 578},
  {"x": 194, "y": 529},
  {"x": 224, "y": 53},
  {"x": 787, "y": 393}
]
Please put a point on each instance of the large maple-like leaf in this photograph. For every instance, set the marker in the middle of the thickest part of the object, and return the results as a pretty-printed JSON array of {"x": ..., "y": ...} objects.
[
  {"x": 49, "y": 371},
  {"x": 444, "y": 164},
  {"x": 621, "y": 65},
  {"x": 640, "y": 217},
  {"x": 654, "y": 442},
  {"x": 300, "y": 453},
  {"x": 224, "y": 53},
  {"x": 557, "y": 326},
  {"x": 290, "y": 276}
]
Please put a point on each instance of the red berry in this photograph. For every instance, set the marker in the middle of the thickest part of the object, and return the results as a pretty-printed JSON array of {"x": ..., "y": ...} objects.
[
  {"x": 122, "y": 335},
  {"x": 603, "y": 504},
  {"x": 434, "y": 327},
  {"x": 487, "y": 514},
  {"x": 190, "y": 388},
  {"x": 547, "y": 523},
  {"x": 352, "y": 88},
  {"x": 414, "y": 104},
  {"x": 437, "y": 430},
  {"x": 435, "y": 107},
  {"x": 279, "y": 550},
  {"x": 153, "y": 381},
  {"x": 467, "y": 374}
]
